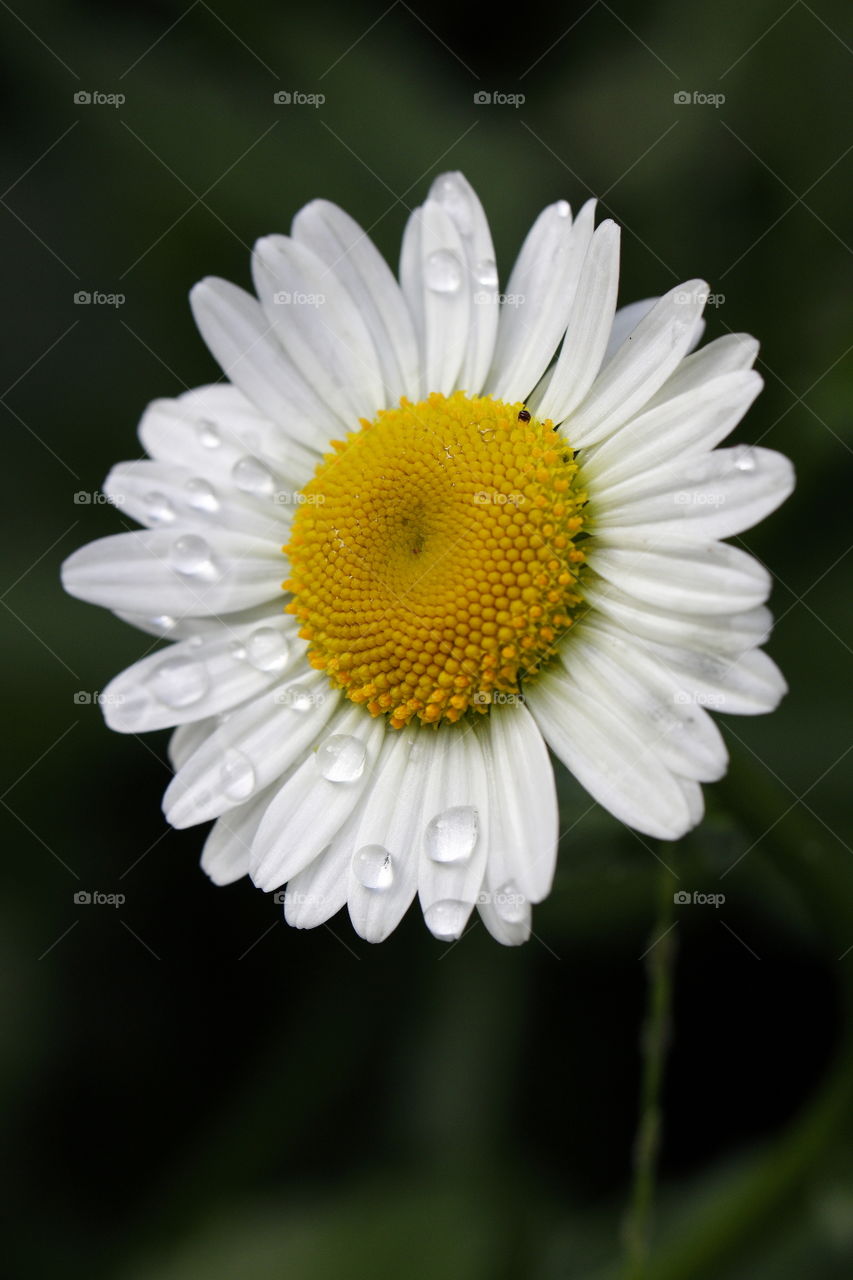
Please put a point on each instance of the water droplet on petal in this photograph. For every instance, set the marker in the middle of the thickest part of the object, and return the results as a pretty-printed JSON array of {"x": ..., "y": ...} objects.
[
  {"x": 201, "y": 495},
  {"x": 195, "y": 642},
  {"x": 158, "y": 508},
  {"x": 510, "y": 903},
  {"x": 193, "y": 557},
  {"x": 179, "y": 682},
  {"x": 237, "y": 650},
  {"x": 454, "y": 198},
  {"x": 745, "y": 459},
  {"x": 237, "y": 775},
  {"x": 267, "y": 649},
  {"x": 373, "y": 867},
  {"x": 564, "y": 209},
  {"x": 446, "y": 919},
  {"x": 486, "y": 273},
  {"x": 341, "y": 758},
  {"x": 251, "y": 476},
  {"x": 164, "y": 623},
  {"x": 452, "y": 835},
  {"x": 208, "y": 434},
  {"x": 300, "y": 698},
  {"x": 443, "y": 272}
]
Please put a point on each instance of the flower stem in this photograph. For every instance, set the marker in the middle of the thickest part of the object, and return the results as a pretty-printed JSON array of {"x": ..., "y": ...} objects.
[{"x": 660, "y": 960}]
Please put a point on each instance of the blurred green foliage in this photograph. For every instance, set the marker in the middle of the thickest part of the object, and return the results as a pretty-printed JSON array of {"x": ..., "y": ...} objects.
[{"x": 194, "y": 1091}]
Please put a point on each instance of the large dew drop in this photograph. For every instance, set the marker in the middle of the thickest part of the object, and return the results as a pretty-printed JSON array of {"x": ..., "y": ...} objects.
[
  {"x": 267, "y": 649},
  {"x": 251, "y": 476},
  {"x": 192, "y": 556},
  {"x": 373, "y": 867},
  {"x": 341, "y": 758},
  {"x": 179, "y": 682},
  {"x": 443, "y": 272},
  {"x": 446, "y": 919},
  {"x": 452, "y": 835},
  {"x": 237, "y": 775}
]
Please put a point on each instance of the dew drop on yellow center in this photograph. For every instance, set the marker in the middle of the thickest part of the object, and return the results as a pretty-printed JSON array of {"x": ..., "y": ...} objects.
[{"x": 434, "y": 564}]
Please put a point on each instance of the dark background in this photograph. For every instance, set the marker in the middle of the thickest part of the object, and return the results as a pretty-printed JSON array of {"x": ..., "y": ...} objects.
[{"x": 193, "y": 1091}]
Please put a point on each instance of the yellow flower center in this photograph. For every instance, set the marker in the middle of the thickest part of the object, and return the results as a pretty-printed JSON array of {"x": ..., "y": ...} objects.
[{"x": 433, "y": 557}]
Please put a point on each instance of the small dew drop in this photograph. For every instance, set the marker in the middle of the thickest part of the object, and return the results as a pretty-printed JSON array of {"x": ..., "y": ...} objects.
[
  {"x": 237, "y": 775},
  {"x": 443, "y": 272},
  {"x": 237, "y": 650},
  {"x": 745, "y": 459},
  {"x": 564, "y": 209},
  {"x": 192, "y": 556},
  {"x": 179, "y": 682},
  {"x": 251, "y": 476},
  {"x": 456, "y": 202},
  {"x": 267, "y": 649},
  {"x": 164, "y": 623},
  {"x": 446, "y": 919},
  {"x": 158, "y": 509},
  {"x": 208, "y": 434},
  {"x": 452, "y": 835},
  {"x": 510, "y": 903},
  {"x": 300, "y": 698},
  {"x": 373, "y": 867},
  {"x": 341, "y": 758},
  {"x": 201, "y": 495},
  {"x": 486, "y": 273}
]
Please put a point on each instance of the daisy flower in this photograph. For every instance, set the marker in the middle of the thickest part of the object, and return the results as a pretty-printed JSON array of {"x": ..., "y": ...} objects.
[{"x": 422, "y": 533}]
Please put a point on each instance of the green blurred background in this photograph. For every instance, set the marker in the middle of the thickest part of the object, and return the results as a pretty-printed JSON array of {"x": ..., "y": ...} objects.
[{"x": 193, "y": 1091}]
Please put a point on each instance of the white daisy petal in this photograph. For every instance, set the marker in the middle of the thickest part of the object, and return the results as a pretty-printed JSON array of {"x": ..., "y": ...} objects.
[
  {"x": 225, "y": 856},
  {"x": 348, "y": 253},
  {"x": 320, "y": 326},
  {"x": 693, "y": 422},
  {"x": 510, "y": 925},
  {"x": 175, "y": 572},
  {"x": 460, "y": 202},
  {"x": 641, "y": 365},
  {"x": 433, "y": 279},
  {"x": 732, "y": 353},
  {"x": 160, "y": 494},
  {"x": 712, "y": 495},
  {"x": 687, "y": 577},
  {"x": 256, "y": 744},
  {"x": 523, "y": 825},
  {"x": 319, "y": 891},
  {"x": 382, "y": 875},
  {"x": 589, "y": 323},
  {"x": 625, "y": 322},
  {"x": 539, "y": 298},
  {"x": 187, "y": 738},
  {"x": 455, "y": 837},
  {"x": 197, "y": 678},
  {"x": 241, "y": 339},
  {"x": 725, "y": 634},
  {"x": 648, "y": 699},
  {"x": 315, "y": 802},
  {"x": 748, "y": 684},
  {"x": 209, "y": 432},
  {"x": 610, "y": 759}
]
